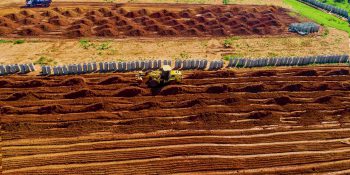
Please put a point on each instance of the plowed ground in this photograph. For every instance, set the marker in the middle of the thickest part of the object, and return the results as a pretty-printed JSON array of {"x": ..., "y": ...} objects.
[
  {"x": 285, "y": 121},
  {"x": 71, "y": 20}
]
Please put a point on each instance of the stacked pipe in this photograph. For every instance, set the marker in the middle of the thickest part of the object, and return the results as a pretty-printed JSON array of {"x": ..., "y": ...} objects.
[
  {"x": 16, "y": 69},
  {"x": 193, "y": 64},
  {"x": 335, "y": 10},
  {"x": 304, "y": 28},
  {"x": 287, "y": 61},
  {"x": 103, "y": 67}
]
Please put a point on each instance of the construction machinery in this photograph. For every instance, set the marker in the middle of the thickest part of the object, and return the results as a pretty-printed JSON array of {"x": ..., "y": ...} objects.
[
  {"x": 161, "y": 77},
  {"x": 38, "y": 3}
]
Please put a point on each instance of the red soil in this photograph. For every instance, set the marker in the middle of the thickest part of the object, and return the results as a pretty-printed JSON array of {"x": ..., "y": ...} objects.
[
  {"x": 249, "y": 121},
  {"x": 153, "y": 20}
]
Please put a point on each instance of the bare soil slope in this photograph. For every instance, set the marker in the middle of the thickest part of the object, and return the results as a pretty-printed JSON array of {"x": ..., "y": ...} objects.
[
  {"x": 287, "y": 121},
  {"x": 72, "y": 20}
]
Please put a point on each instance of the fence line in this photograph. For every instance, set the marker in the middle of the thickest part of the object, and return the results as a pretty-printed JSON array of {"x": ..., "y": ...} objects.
[{"x": 190, "y": 64}]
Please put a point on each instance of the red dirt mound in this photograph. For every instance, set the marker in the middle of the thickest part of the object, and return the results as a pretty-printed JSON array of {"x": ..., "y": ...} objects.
[
  {"x": 30, "y": 31},
  {"x": 14, "y": 17},
  {"x": 27, "y": 12},
  {"x": 292, "y": 87},
  {"x": 83, "y": 21},
  {"x": 113, "y": 80},
  {"x": 69, "y": 13},
  {"x": 94, "y": 13},
  {"x": 146, "y": 105},
  {"x": 27, "y": 96},
  {"x": 253, "y": 88},
  {"x": 337, "y": 72},
  {"x": 5, "y": 31},
  {"x": 78, "y": 10},
  {"x": 76, "y": 81},
  {"x": 144, "y": 21},
  {"x": 172, "y": 90},
  {"x": 306, "y": 73},
  {"x": 51, "y": 109},
  {"x": 143, "y": 12},
  {"x": 209, "y": 119},
  {"x": 259, "y": 114},
  {"x": 168, "y": 32},
  {"x": 57, "y": 9},
  {"x": 155, "y": 28},
  {"x": 219, "y": 32},
  {"x": 231, "y": 100},
  {"x": 58, "y": 21},
  {"x": 136, "y": 32},
  {"x": 6, "y": 83},
  {"x": 50, "y": 13},
  {"x": 311, "y": 117},
  {"x": 104, "y": 26},
  {"x": 94, "y": 18},
  {"x": 80, "y": 94},
  {"x": 130, "y": 92},
  {"x": 46, "y": 27},
  {"x": 30, "y": 84},
  {"x": 131, "y": 15},
  {"x": 191, "y": 103},
  {"x": 217, "y": 89},
  {"x": 327, "y": 100},
  {"x": 79, "y": 26},
  {"x": 318, "y": 87},
  {"x": 186, "y": 13},
  {"x": 121, "y": 11},
  {"x": 157, "y": 15},
  {"x": 192, "y": 32},
  {"x": 284, "y": 100},
  {"x": 104, "y": 10},
  {"x": 105, "y": 22},
  {"x": 107, "y": 32},
  {"x": 266, "y": 73},
  {"x": 5, "y": 22},
  {"x": 78, "y": 33},
  {"x": 29, "y": 21},
  {"x": 97, "y": 107}
]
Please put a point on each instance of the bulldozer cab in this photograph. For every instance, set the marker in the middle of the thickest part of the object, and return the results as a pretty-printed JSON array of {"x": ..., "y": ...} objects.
[{"x": 166, "y": 69}]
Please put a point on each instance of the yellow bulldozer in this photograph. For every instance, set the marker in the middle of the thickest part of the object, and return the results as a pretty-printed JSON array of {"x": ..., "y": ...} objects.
[{"x": 161, "y": 77}]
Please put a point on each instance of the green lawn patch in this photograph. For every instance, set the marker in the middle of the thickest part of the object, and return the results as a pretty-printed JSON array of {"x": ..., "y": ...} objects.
[
  {"x": 344, "y": 4},
  {"x": 318, "y": 16}
]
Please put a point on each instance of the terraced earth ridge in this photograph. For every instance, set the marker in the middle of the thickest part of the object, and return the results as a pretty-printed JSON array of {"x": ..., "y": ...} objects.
[
  {"x": 72, "y": 20},
  {"x": 283, "y": 121}
]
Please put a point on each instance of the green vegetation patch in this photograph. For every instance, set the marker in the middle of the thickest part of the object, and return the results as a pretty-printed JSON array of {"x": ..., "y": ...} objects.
[
  {"x": 344, "y": 4},
  {"x": 318, "y": 16},
  {"x": 45, "y": 61}
]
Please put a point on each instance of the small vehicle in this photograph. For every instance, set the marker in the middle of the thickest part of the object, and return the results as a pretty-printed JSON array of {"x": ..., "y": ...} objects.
[
  {"x": 161, "y": 77},
  {"x": 38, "y": 3}
]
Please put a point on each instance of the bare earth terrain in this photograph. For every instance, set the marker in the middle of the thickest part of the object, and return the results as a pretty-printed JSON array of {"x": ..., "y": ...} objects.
[
  {"x": 66, "y": 51},
  {"x": 286, "y": 120},
  {"x": 289, "y": 121}
]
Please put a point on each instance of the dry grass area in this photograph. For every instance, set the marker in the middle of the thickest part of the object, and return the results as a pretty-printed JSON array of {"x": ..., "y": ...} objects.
[{"x": 68, "y": 51}]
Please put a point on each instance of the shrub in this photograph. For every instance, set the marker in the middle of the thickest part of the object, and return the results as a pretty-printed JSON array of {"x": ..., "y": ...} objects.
[{"x": 19, "y": 42}]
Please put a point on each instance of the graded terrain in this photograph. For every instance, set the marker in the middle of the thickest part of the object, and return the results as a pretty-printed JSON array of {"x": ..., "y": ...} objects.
[{"x": 288, "y": 120}]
